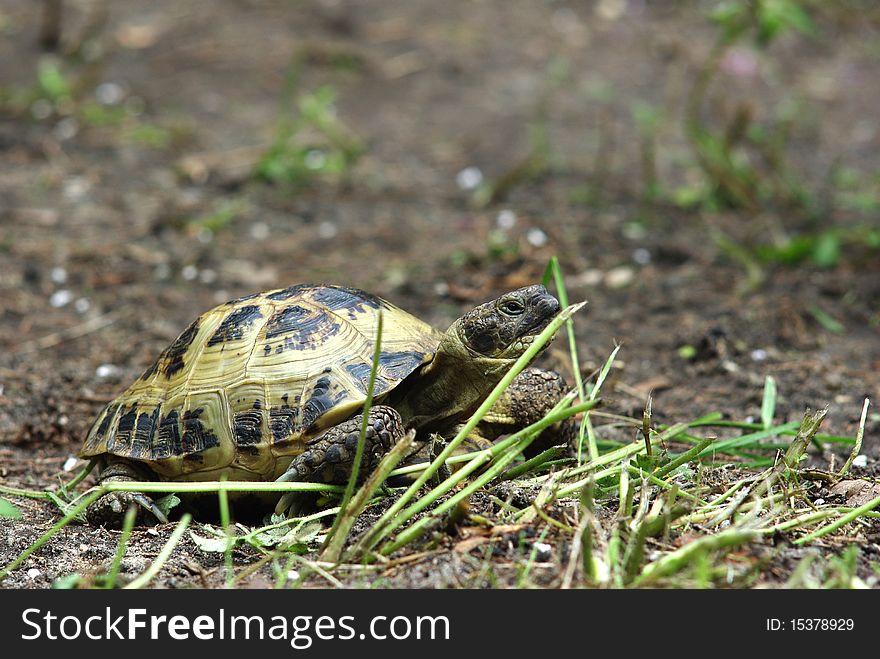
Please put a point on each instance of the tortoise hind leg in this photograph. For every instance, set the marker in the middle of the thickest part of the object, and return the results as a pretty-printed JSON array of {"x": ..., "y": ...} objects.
[
  {"x": 329, "y": 458},
  {"x": 109, "y": 510}
]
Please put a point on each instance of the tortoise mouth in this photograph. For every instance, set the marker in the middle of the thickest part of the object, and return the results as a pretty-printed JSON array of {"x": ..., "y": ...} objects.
[
  {"x": 525, "y": 342},
  {"x": 545, "y": 308}
]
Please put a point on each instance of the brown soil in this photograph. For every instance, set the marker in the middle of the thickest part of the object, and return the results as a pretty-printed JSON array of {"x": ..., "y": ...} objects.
[{"x": 107, "y": 254}]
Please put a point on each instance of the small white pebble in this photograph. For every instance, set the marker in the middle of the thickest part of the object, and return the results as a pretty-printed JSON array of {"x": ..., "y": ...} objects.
[
  {"x": 82, "y": 305},
  {"x": 83, "y": 548},
  {"x": 589, "y": 277},
  {"x": 536, "y": 237},
  {"x": 818, "y": 502},
  {"x": 41, "y": 109},
  {"x": 69, "y": 464},
  {"x": 619, "y": 277},
  {"x": 860, "y": 461},
  {"x": 66, "y": 128},
  {"x": 259, "y": 231},
  {"x": 189, "y": 272},
  {"x": 327, "y": 230},
  {"x": 109, "y": 93},
  {"x": 58, "y": 275},
  {"x": 153, "y": 531},
  {"x": 506, "y": 219},
  {"x": 315, "y": 159},
  {"x": 293, "y": 575},
  {"x": 60, "y": 298},
  {"x": 543, "y": 551},
  {"x": 611, "y": 10},
  {"x": 75, "y": 188},
  {"x": 634, "y": 231},
  {"x": 469, "y": 178},
  {"x": 33, "y": 573},
  {"x": 758, "y": 355},
  {"x": 106, "y": 370},
  {"x": 725, "y": 524},
  {"x": 641, "y": 256},
  {"x": 441, "y": 288}
]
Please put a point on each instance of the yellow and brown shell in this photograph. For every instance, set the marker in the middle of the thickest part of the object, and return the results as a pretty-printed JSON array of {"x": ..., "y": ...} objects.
[{"x": 242, "y": 388}]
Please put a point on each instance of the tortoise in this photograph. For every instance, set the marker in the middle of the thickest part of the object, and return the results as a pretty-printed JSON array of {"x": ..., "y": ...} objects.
[{"x": 271, "y": 386}]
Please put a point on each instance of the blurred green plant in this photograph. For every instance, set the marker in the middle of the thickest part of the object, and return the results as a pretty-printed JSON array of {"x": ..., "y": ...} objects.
[
  {"x": 648, "y": 119},
  {"x": 215, "y": 221},
  {"x": 728, "y": 155},
  {"x": 540, "y": 157},
  {"x": 62, "y": 91},
  {"x": 854, "y": 191},
  {"x": 823, "y": 248},
  {"x": 7, "y": 509},
  {"x": 52, "y": 83},
  {"x": 312, "y": 142}
]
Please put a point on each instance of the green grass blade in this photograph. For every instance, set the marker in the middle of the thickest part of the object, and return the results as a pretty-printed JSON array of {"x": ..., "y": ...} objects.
[
  {"x": 555, "y": 272},
  {"x": 71, "y": 514},
  {"x": 127, "y": 525},
  {"x": 517, "y": 443},
  {"x": 332, "y": 544},
  {"x": 163, "y": 556},
  {"x": 768, "y": 403},
  {"x": 687, "y": 456},
  {"x": 857, "y": 447},
  {"x": 524, "y": 360},
  {"x": 750, "y": 439},
  {"x": 226, "y": 522},
  {"x": 843, "y": 521}
]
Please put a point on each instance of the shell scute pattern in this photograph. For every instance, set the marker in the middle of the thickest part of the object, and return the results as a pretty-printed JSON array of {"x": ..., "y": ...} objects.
[
  {"x": 236, "y": 325},
  {"x": 249, "y": 382}
]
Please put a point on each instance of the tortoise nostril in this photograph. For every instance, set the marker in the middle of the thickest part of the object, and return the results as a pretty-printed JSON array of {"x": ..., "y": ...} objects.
[{"x": 549, "y": 305}]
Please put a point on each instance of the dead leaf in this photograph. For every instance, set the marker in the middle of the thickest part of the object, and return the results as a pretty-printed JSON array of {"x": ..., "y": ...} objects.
[
  {"x": 655, "y": 383},
  {"x": 857, "y": 492},
  {"x": 465, "y": 546},
  {"x": 503, "y": 529},
  {"x": 138, "y": 37}
]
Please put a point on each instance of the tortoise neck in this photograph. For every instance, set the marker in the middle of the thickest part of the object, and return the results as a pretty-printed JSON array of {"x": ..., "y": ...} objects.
[{"x": 451, "y": 387}]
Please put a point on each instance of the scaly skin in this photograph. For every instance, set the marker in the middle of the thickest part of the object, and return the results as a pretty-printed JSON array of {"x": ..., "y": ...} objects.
[
  {"x": 329, "y": 457},
  {"x": 109, "y": 510},
  {"x": 527, "y": 400},
  {"x": 286, "y": 339}
]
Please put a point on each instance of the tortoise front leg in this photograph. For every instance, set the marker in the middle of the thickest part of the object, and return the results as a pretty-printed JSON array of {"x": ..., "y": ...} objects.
[
  {"x": 329, "y": 458},
  {"x": 528, "y": 399},
  {"x": 109, "y": 510}
]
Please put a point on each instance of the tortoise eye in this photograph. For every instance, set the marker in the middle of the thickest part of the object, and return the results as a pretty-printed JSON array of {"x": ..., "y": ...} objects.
[{"x": 512, "y": 308}]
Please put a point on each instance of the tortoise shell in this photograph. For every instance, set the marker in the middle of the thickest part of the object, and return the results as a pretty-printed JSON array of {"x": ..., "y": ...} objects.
[{"x": 243, "y": 388}]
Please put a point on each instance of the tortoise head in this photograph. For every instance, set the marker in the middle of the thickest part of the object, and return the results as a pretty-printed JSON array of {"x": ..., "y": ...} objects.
[{"x": 505, "y": 327}]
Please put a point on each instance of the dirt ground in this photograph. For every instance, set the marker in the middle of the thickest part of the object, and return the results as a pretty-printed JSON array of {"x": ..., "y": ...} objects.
[{"x": 129, "y": 208}]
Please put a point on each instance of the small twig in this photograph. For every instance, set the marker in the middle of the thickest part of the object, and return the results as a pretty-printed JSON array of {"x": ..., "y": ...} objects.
[
  {"x": 858, "y": 445},
  {"x": 68, "y": 334}
]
